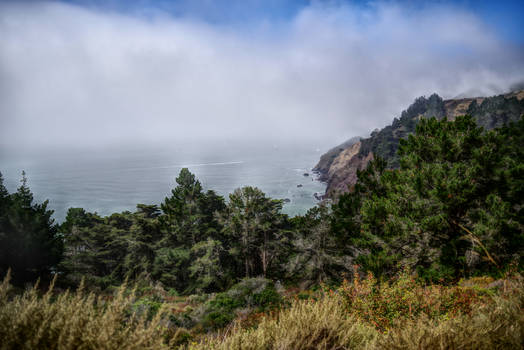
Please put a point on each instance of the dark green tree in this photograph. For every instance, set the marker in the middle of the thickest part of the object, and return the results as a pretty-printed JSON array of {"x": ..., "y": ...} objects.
[
  {"x": 444, "y": 212},
  {"x": 188, "y": 218},
  {"x": 318, "y": 256},
  {"x": 207, "y": 269},
  {"x": 253, "y": 222},
  {"x": 107, "y": 250},
  {"x": 29, "y": 239}
]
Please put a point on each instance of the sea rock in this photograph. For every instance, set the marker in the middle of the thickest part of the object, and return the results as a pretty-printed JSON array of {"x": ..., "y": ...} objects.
[{"x": 299, "y": 185}]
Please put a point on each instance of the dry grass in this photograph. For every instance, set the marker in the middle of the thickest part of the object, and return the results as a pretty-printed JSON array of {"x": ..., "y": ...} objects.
[
  {"x": 491, "y": 322},
  {"x": 497, "y": 324},
  {"x": 305, "y": 325},
  {"x": 75, "y": 321},
  {"x": 363, "y": 315}
]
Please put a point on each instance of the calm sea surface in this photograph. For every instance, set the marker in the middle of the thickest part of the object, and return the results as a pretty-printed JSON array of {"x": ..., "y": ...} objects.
[{"x": 115, "y": 180}]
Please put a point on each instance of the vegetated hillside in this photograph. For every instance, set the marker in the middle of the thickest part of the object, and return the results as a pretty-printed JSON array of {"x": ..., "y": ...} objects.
[{"x": 338, "y": 167}]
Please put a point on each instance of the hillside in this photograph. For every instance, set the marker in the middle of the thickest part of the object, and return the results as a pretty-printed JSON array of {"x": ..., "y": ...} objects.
[{"x": 338, "y": 167}]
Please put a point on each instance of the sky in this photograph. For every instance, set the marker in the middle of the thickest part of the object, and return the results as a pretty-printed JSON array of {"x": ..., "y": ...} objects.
[{"x": 99, "y": 73}]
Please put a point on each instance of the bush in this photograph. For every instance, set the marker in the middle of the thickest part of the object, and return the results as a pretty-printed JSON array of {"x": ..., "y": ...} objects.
[
  {"x": 384, "y": 304},
  {"x": 254, "y": 294}
]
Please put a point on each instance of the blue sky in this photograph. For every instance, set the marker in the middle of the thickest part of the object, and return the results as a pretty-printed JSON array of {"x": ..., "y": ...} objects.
[{"x": 504, "y": 16}]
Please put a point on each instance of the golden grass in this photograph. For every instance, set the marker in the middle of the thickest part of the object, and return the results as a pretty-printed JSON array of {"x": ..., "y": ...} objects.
[
  {"x": 75, "y": 321},
  {"x": 305, "y": 325},
  {"x": 493, "y": 323},
  {"x": 79, "y": 320}
]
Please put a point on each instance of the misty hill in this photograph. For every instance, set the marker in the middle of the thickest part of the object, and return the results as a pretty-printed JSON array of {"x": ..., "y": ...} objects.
[{"x": 338, "y": 167}]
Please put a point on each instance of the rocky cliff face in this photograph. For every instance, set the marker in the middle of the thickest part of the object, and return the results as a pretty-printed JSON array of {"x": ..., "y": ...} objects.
[
  {"x": 326, "y": 160},
  {"x": 338, "y": 167}
]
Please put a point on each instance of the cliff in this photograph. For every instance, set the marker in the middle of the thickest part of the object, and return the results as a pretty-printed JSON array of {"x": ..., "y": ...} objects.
[
  {"x": 324, "y": 164},
  {"x": 338, "y": 167}
]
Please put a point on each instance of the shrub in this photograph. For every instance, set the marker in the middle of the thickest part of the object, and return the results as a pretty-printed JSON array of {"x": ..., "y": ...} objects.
[
  {"x": 253, "y": 294},
  {"x": 384, "y": 303},
  {"x": 490, "y": 322}
]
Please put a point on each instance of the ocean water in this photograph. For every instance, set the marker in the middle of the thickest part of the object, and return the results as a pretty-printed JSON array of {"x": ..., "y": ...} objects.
[{"x": 116, "y": 179}]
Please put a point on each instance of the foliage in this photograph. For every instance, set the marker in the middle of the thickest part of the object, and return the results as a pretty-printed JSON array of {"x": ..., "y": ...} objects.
[
  {"x": 450, "y": 210},
  {"x": 253, "y": 223},
  {"x": 255, "y": 294},
  {"x": 189, "y": 219},
  {"x": 317, "y": 256},
  {"x": 384, "y": 143},
  {"x": 107, "y": 250},
  {"x": 30, "y": 244},
  {"x": 387, "y": 304},
  {"x": 492, "y": 112}
]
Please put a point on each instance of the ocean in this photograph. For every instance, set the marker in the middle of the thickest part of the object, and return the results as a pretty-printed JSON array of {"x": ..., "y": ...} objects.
[{"x": 117, "y": 178}]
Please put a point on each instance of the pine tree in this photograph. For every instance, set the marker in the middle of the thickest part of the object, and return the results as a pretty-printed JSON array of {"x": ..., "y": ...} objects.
[
  {"x": 30, "y": 241},
  {"x": 252, "y": 222},
  {"x": 318, "y": 256},
  {"x": 446, "y": 211}
]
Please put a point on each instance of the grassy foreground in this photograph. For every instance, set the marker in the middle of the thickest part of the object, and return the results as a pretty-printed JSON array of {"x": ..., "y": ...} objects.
[
  {"x": 363, "y": 314},
  {"x": 401, "y": 315}
]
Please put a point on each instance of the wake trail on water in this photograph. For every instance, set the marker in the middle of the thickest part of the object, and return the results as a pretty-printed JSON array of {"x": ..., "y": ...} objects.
[{"x": 185, "y": 165}]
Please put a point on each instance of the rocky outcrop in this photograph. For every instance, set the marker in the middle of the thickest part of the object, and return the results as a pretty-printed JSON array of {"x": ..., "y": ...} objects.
[
  {"x": 343, "y": 171},
  {"x": 338, "y": 167},
  {"x": 324, "y": 164},
  {"x": 457, "y": 107}
]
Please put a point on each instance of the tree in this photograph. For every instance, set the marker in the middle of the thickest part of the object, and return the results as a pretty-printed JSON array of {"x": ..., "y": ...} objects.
[
  {"x": 30, "y": 243},
  {"x": 318, "y": 256},
  {"x": 252, "y": 222},
  {"x": 188, "y": 218},
  {"x": 106, "y": 250},
  {"x": 141, "y": 241},
  {"x": 206, "y": 270},
  {"x": 183, "y": 219},
  {"x": 446, "y": 211}
]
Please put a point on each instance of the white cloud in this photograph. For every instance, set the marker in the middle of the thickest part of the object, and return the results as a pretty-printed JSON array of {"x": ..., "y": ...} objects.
[{"x": 69, "y": 75}]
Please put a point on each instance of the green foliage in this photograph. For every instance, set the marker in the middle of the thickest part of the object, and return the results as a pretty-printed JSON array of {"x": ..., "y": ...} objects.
[
  {"x": 189, "y": 213},
  {"x": 496, "y": 111},
  {"x": 147, "y": 306},
  {"x": 317, "y": 254},
  {"x": 189, "y": 220},
  {"x": 384, "y": 143},
  {"x": 267, "y": 299},
  {"x": 492, "y": 112},
  {"x": 450, "y": 210},
  {"x": 257, "y": 294},
  {"x": 29, "y": 240},
  {"x": 253, "y": 224},
  {"x": 107, "y": 250},
  {"x": 207, "y": 268}
]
